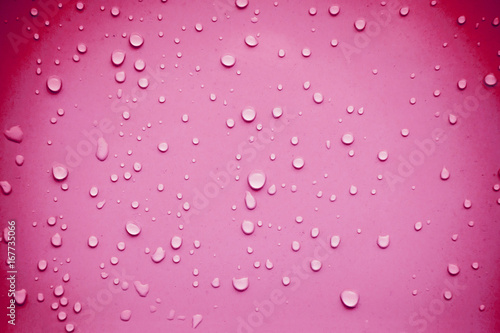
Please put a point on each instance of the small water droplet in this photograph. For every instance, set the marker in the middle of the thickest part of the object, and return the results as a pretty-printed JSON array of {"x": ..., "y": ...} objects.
[
  {"x": 241, "y": 3},
  {"x": 490, "y": 80},
  {"x": 118, "y": 57},
  {"x": 248, "y": 114},
  {"x": 176, "y": 242},
  {"x": 250, "y": 201},
  {"x": 335, "y": 241},
  {"x": 93, "y": 241},
  {"x": 453, "y": 269},
  {"x": 56, "y": 240},
  {"x": 315, "y": 265},
  {"x": 159, "y": 255},
  {"x": 360, "y": 24},
  {"x": 418, "y": 226},
  {"x": 383, "y": 155},
  {"x": 20, "y": 296},
  {"x": 461, "y": 19},
  {"x": 54, "y": 84},
  {"x": 404, "y": 11},
  {"x": 349, "y": 298},
  {"x": 133, "y": 229},
  {"x": 228, "y": 60},
  {"x": 445, "y": 174},
  {"x": 251, "y": 41},
  {"x": 298, "y": 163},
  {"x": 136, "y": 40},
  {"x": 247, "y": 227},
  {"x": 462, "y": 84},
  {"x": 197, "y": 318},
  {"x": 318, "y": 98},
  {"x": 126, "y": 315},
  {"x": 347, "y": 138},
  {"x": 383, "y": 241},
  {"x": 240, "y": 284},
  {"x": 334, "y": 10}
]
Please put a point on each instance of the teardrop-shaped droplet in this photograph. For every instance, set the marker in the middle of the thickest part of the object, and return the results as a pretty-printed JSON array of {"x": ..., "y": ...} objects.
[
  {"x": 250, "y": 201},
  {"x": 56, "y": 240},
  {"x": 445, "y": 174},
  {"x": 349, "y": 298},
  {"x": 118, "y": 57},
  {"x": 240, "y": 284}
]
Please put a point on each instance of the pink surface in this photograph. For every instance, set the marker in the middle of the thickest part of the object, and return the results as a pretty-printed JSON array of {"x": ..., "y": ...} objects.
[{"x": 399, "y": 73}]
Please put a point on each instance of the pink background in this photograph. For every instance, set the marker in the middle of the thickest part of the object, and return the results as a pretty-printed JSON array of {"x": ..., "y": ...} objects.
[{"x": 394, "y": 45}]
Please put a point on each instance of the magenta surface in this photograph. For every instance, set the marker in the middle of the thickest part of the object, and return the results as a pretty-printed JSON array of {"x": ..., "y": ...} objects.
[{"x": 269, "y": 166}]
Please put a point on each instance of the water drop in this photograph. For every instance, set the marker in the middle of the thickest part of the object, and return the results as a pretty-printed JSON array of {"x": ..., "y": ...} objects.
[
  {"x": 241, "y": 3},
  {"x": 56, "y": 240},
  {"x": 315, "y": 265},
  {"x": 349, "y": 298},
  {"x": 334, "y": 10},
  {"x": 383, "y": 155},
  {"x": 404, "y": 11},
  {"x": 285, "y": 280},
  {"x": 240, "y": 284},
  {"x": 139, "y": 65},
  {"x": 118, "y": 57},
  {"x": 93, "y": 241},
  {"x": 360, "y": 24},
  {"x": 14, "y": 134},
  {"x": 42, "y": 265},
  {"x": 250, "y": 201},
  {"x": 251, "y": 41},
  {"x": 58, "y": 291},
  {"x": 197, "y": 318},
  {"x": 133, "y": 229},
  {"x": 298, "y": 163},
  {"x": 20, "y": 296},
  {"x": 347, "y": 138},
  {"x": 335, "y": 241},
  {"x": 176, "y": 242},
  {"x": 453, "y": 269},
  {"x": 462, "y": 84},
  {"x": 247, "y": 227},
  {"x": 461, "y": 20},
  {"x": 277, "y": 112},
  {"x": 136, "y": 40},
  {"x": 248, "y": 114},
  {"x": 490, "y": 80},
  {"x": 445, "y": 174},
  {"x": 125, "y": 315},
  {"x": 295, "y": 246},
  {"x": 216, "y": 283},
  {"x": 383, "y": 241},
  {"x": 318, "y": 98},
  {"x": 142, "y": 289},
  {"x": 6, "y": 187},
  {"x": 54, "y": 84},
  {"x": 418, "y": 226},
  {"x": 159, "y": 255},
  {"x": 228, "y": 60},
  {"x": 163, "y": 147},
  {"x": 256, "y": 179}
]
